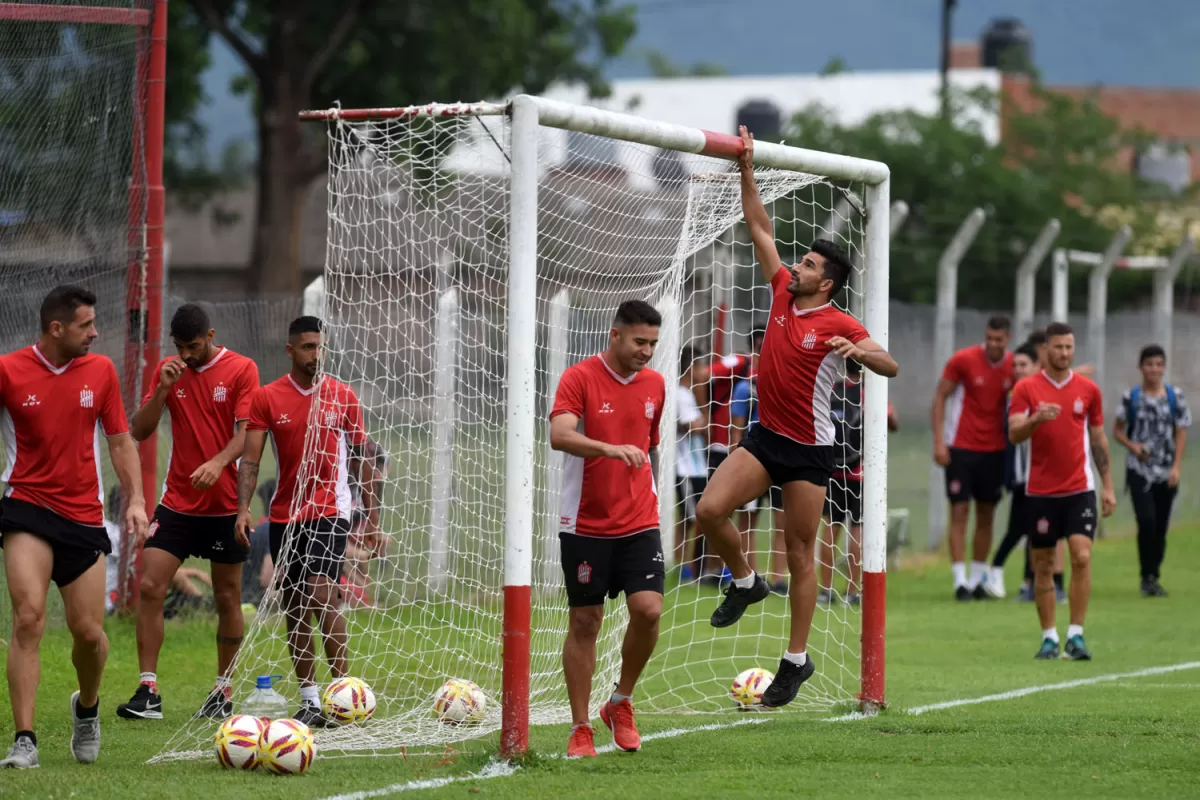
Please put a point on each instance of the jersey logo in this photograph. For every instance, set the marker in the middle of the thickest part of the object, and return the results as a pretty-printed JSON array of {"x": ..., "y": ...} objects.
[
  {"x": 979, "y": 380},
  {"x": 1043, "y": 526},
  {"x": 86, "y": 398},
  {"x": 180, "y": 393},
  {"x": 331, "y": 419},
  {"x": 1087, "y": 513},
  {"x": 219, "y": 394},
  {"x": 809, "y": 341},
  {"x": 780, "y": 320},
  {"x": 606, "y": 408},
  {"x": 1078, "y": 405},
  {"x": 283, "y": 420},
  {"x": 32, "y": 400},
  {"x": 584, "y": 573},
  {"x": 649, "y": 409}
]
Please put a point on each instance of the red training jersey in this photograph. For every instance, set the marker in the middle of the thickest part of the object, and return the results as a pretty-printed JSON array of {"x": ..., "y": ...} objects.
[
  {"x": 797, "y": 369},
  {"x": 723, "y": 375},
  {"x": 283, "y": 409},
  {"x": 205, "y": 406},
  {"x": 975, "y": 417},
  {"x": 52, "y": 419},
  {"x": 603, "y": 496},
  {"x": 1060, "y": 449}
]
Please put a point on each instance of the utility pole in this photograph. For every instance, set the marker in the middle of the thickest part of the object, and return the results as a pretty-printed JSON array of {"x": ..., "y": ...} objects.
[{"x": 947, "y": 14}]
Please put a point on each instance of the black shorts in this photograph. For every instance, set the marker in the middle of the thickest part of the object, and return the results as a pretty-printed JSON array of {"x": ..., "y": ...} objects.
[
  {"x": 598, "y": 566},
  {"x": 786, "y": 460},
  {"x": 1018, "y": 515},
  {"x": 75, "y": 547},
  {"x": 715, "y": 459},
  {"x": 318, "y": 547},
  {"x": 843, "y": 501},
  {"x": 1054, "y": 518},
  {"x": 189, "y": 535},
  {"x": 973, "y": 475},
  {"x": 687, "y": 492}
]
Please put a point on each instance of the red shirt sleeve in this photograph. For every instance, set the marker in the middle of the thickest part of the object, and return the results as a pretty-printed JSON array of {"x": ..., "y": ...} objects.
[
  {"x": 155, "y": 380},
  {"x": 247, "y": 385},
  {"x": 728, "y": 367},
  {"x": 112, "y": 410},
  {"x": 260, "y": 411},
  {"x": 853, "y": 330},
  {"x": 654, "y": 427},
  {"x": 780, "y": 280},
  {"x": 570, "y": 397},
  {"x": 1020, "y": 402},
  {"x": 1096, "y": 412},
  {"x": 355, "y": 429},
  {"x": 955, "y": 370}
]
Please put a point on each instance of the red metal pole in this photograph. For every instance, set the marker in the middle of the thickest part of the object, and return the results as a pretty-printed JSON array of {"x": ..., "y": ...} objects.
[{"x": 874, "y": 624}]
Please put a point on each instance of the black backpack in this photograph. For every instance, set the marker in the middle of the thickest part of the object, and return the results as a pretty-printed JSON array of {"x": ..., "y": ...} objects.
[{"x": 845, "y": 410}]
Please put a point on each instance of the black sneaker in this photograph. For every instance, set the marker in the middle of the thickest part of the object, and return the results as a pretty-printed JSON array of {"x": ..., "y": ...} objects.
[
  {"x": 786, "y": 684},
  {"x": 1147, "y": 587},
  {"x": 980, "y": 593},
  {"x": 962, "y": 594},
  {"x": 1048, "y": 650},
  {"x": 780, "y": 588},
  {"x": 1159, "y": 591},
  {"x": 312, "y": 716},
  {"x": 1077, "y": 650},
  {"x": 738, "y": 600},
  {"x": 145, "y": 704},
  {"x": 216, "y": 706}
]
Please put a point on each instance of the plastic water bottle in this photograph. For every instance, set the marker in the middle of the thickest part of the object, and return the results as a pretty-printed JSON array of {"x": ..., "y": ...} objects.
[{"x": 264, "y": 702}]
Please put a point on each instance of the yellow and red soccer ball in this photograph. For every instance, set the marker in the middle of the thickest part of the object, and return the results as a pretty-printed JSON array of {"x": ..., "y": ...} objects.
[
  {"x": 349, "y": 701},
  {"x": 288, "y": 747},
  {"x": 748, "y": 687},
  {"x": 459, "y": 702},
  {"x": 238, "y": 740}
]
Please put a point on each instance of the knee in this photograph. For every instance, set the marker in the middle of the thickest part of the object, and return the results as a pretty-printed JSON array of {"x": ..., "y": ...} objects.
[
  {"x": 153, "y": 590},
  {"x": 646, "y": 616},
  {"x": 959, "y": 512},
  {"x": 90, "y": 636},
  {"x": 711, "y": 512},
  {"x": 585, "y": 623},
  {"x": 228, "y": 599},
  {"x": 28, "y": 624},
  {"x": 1081, "y": 558},
  {"x": 800, "y": 555}
]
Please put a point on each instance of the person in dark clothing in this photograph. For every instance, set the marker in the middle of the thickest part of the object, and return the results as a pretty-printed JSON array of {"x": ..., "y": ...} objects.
[{"x": 1152, "y": 423}]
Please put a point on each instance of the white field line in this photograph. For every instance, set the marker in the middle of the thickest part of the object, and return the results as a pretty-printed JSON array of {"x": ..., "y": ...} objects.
[{"x": 503, "y": 769}]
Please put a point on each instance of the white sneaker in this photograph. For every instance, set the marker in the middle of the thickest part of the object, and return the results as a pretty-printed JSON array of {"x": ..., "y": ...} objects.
[
  {"x": 22, "y": 755},
  {"x": 994, "y": 585},
  {"x": 85, "y": 735}
]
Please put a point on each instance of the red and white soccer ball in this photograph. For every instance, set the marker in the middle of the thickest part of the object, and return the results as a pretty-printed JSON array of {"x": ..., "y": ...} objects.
[
  {"x": 459, "y": 702},
  {"x": 748, "y": 687},
  {"x": 238, "y": 740},
  {"x": 349, "y": 701},
  {"x": 287, "y": 747}
]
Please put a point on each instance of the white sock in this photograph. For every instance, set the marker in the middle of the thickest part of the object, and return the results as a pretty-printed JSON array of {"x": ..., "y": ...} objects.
[
  {"x": 959, "y": 570},
  {"x": 223, "y": 682},
  {"x": 579, "y": 725},
  {"x": 977, "y": 574},
  {"x": 1074, "y": 630},
  {"x": 798, "y": 659},
  {"x": 616, "y": 698},
  {"x": 746, "y": 582},
  {"x": 1051, "y": 634},
  {"x": 150, "y": 678},
  {"x": 310, "y": 695}
]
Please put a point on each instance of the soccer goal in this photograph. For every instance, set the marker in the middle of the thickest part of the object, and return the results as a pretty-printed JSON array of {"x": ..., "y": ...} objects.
[{"x": 474, "y": 252}]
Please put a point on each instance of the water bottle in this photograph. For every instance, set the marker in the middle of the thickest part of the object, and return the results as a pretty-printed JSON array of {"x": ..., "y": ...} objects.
[{"x": 264, "y": 702}]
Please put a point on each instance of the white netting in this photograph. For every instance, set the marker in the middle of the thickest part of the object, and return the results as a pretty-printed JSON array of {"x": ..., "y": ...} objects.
[
  {"x": 70, "y": 121},
  {"x": 416, "y": 305}
]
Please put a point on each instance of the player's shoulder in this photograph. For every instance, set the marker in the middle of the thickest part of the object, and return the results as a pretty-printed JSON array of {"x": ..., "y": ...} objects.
[
  {"x": 653, "y": 377},
  {"x": 970, "y": 353},
  {"x": 338, "y": 389},
  {"x": 96, "y": 364},
  {"x": 1088, "y": 384}
]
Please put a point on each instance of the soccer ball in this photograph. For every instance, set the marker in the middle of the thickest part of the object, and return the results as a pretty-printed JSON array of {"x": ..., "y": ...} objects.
[
  {"x": 748, "y": 687},
  {"x": 459, "y": 702},
  {"x": 349, "y": 700},
  {"x": 238, "y": 740},
  {"x": 287, "y": 747}
]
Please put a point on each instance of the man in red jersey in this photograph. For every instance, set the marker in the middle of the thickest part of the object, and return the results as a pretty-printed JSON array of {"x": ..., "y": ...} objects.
[
  {"x": 725, "y": 373},
  {"x": 56, "y": 399},
  {"x": 605, "y": 419},
  {"x": 969, "y": 443},
  {"x": 309, "y": 522},
  {"x": 206, "y": 389},
  {"x": 792, "y": 445},
  {"x": 1061, "y": 413}
]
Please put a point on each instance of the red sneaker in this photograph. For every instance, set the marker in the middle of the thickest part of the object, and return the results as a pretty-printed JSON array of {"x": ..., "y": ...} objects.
[
  {"x": 582, "y": 743},
  {"x": 619, "y": 719}
]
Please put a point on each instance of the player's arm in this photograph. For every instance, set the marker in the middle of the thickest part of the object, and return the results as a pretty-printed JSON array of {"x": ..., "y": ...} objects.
[
  {"x": 122, "y": 451},
  {"x": 867, "y": 352},
  {"x": 367, "y": 455},
  {"x": 1021, "y": 422},
  {"x": 1121, "y": 434},
  {"x": 208, "y": 473},
  {"x": 1100, "y": 455},
  {"x": 145, "y": 419},
  {"x": 758, "y": 221},
  {"x": 247, "y": 482},
  {"x": 565, "y": 436}
]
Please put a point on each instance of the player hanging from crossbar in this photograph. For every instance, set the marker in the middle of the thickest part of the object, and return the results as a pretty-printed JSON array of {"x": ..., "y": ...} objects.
[{"x": 792, "y": 445}]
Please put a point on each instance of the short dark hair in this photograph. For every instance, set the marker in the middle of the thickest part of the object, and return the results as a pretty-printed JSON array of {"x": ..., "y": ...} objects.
[
  {"x": 999, "y": 322},
  {"x": 1151, "y": 351},
  {"x": 637, "y": 312},
  {"x": 304, "y": 325},
  {"x": 189, "y": 323},
  {"x": 1058, "y": 329},
  {"x": 1036, "y": 337},
  {"x": 1028, "y": 350},
  {"x": 837, "y": 263},
  {"x": 60, "y": 304},
  {"x": 687, "y": 355}
]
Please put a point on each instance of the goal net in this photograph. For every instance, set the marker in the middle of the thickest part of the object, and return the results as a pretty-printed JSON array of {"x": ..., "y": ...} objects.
[{"x": 426, "y": 315}]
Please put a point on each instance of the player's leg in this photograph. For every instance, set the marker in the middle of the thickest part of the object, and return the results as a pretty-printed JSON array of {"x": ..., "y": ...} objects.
[
  {"x": 587, "y": 567},
  {"x": 826, "y": 553},
  {"x": 231, "y": 626},
  {"x": 1164, "y": 499},
  {"x": 804, "y": 502},
  {"x": 1041, "y": 559},
  {"x": 958, "y": 494},
  {"x": 28, "y": 563},
  {"x": 1012, "y": 537},
  {"x": 987, "y": 489},
  {"x": 778, "y": 577},
  {"x": 1081, "y": 527},
  {"x": 854, "y": 587},
  {"x": 1060, "y": 564},
  {"x": 748, "y": 519},
  {"x": 83, "y": 606}
]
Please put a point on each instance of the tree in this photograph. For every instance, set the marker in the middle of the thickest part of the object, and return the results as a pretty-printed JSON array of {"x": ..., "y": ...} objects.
[
  {"x": 661, "y": 66},
  {"x": 301, "y": 55}
]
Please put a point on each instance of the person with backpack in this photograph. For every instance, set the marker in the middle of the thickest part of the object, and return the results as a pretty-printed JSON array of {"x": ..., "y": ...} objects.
[
  {"x": 1152, "y": 423},
  {"x": 843, "y": 499}
]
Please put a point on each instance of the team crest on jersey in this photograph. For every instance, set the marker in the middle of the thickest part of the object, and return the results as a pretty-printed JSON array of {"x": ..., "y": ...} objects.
[
  {"x": 1043, "y": 526},
  {"x": 219, "y": 393},
  {"x": 584, "y": 573},
  {"x": 1078, "y": 405},
  {"x": 809, "y": 341},
  {"x": 86, "y": 398},
  {"x": 979, "y": 380},
  {"x": 649, "y": 409},
  {"x": 331, "y": 419}
]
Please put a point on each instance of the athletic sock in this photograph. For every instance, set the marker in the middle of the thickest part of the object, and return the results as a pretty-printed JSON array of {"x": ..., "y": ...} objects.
[
  {"x": 617, "y": 698},
  {"x": 1058, "y": 580},
  {"x": 1074, "y": 630},
  {"x": 959, "y": 570},
  {"x": 798, "y": 659},
  {"x": 87, "y": 713},
  {"x": 26, "y": 735},
  {"x": 746, "y": 582},
  {"x": 150, "y": 679},
  {"x": 310, "y": 695},
  {"x": 579, "y": 725},
  {"x": 977, "y": 574},
  {"x": 1051, "y": 634},
  {"x": 224, "y": 685}
]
